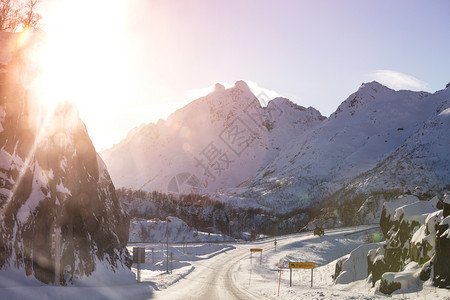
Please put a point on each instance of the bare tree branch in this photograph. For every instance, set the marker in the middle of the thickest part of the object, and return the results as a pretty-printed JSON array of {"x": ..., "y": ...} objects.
[{"x": 15, "y": 16}]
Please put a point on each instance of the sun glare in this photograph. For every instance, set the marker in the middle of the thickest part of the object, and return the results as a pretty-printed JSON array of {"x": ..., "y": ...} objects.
[{"x": 83, "y": 57}]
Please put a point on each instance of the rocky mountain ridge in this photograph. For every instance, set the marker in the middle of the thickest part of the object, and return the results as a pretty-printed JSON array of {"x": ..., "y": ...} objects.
[
  {"x": 216, "y": 142},
  {"x": 377, "y": 140}
]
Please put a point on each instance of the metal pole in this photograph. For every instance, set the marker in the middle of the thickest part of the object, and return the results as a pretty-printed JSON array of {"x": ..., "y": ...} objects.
[
  {"x": 312, "y": 270},
  {"x": 139, "y": 268},
  {"x": 260, "y": 258},
  {"x": 279, "y": 282},
  {"x": 290, "y": 276},
  {"x": 251, "y": 254},
  {"x": 57, "y": 247},
  {"x": 57, "y": 254},
  {"x": 167, "y": 236}
]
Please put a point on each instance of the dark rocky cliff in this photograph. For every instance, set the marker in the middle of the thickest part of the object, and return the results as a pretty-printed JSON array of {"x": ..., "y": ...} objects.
[{"x": 59, "y": 214}]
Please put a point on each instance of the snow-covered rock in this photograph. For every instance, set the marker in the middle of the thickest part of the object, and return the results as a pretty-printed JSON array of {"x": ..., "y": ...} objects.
[
  {"x": 355, "y": 267},
  {"x": 442, "y": 245},
  {"x": 406, "y": 280},
  {"x": 60, "y": 219},
  {"x": 416, "y": 247}
]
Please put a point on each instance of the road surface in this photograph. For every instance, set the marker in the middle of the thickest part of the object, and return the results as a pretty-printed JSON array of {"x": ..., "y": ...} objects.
[
  {"x": 212, "y": 279},
  {"x": 216, "y": 278}
]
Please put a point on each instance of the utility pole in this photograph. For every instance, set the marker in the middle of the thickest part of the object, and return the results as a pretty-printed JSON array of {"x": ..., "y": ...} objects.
[
  {"x": 167, "y": 236},
  {"x": 57, "y": 233}
]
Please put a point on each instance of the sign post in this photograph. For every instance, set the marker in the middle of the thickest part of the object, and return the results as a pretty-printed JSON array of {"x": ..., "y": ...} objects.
[
  {"x": 167, "y": 236},
  {"x": 279, "y": 282},
  {"x": 139, "y": 257},
  {"x": 256, "y": 250},
  {"x": 153, "y": 256},
  {"x": 301, "y": 265}
]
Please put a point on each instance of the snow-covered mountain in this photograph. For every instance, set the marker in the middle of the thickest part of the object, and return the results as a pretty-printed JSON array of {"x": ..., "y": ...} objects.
[
  {"x": 60, "y": 219},
  {"x": 292, "y": 157},
  {"x": 422, "y": 162},
  {"x": 370, "y": 129},
  {"x": 215, "y": 142}
]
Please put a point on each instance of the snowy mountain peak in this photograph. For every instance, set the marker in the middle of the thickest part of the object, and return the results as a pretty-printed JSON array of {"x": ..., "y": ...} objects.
[
  {"x": 373, "y": 97},
  {"x": 230, "y": 121},
  {"x": 242, "y": 85},
  {"x": 284, "y": 101},
  {"x": 373, "y": 86}
]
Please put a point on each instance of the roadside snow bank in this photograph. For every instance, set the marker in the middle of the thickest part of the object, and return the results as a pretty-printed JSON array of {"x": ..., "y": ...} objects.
[
  {"x": 404, "y": 281},
  {"x": 355, "y": 266}
]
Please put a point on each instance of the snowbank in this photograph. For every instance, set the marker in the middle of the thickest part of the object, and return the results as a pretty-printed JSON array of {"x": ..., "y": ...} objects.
[
  {"x": 355, "y": 266},
  {"x": 402, "y": 282}
]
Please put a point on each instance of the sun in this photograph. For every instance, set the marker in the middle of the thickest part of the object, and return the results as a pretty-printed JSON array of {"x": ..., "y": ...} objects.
[{"x": 83, "y": 57}]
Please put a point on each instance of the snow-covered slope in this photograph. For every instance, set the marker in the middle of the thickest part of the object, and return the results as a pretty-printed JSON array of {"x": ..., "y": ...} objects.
[
  {"x": 215, "y": 142},
  {"x": 374, "y": 125},
  {"x": 423, "y": 160}
]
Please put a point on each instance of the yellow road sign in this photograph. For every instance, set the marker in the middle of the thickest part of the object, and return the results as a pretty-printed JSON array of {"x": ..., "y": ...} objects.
[
  {"x": 255, "y": 250},
  {"x": 301, "y": 265}
]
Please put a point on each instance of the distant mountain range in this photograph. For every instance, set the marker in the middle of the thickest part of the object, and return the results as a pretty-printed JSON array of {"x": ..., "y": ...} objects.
[{"x": 284, "y": 156}]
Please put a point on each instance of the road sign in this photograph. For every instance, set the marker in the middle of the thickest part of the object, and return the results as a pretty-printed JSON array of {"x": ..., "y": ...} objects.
[
  {"x": 139, "y": 255},
  {"x": 139, "y": 258},
  {"x": 256, "y": 250},
  {"x": 301, "y": 265}
]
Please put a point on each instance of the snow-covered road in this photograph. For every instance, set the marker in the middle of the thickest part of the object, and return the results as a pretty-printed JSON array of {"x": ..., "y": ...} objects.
[
  {"x": 227, "y": 275},
  {"x": 211, "y": 279},
  {"x": 225, "y": 271}
]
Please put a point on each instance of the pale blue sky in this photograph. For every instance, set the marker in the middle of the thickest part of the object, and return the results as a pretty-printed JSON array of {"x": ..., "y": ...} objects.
[{"x": 316, "y": 53}]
